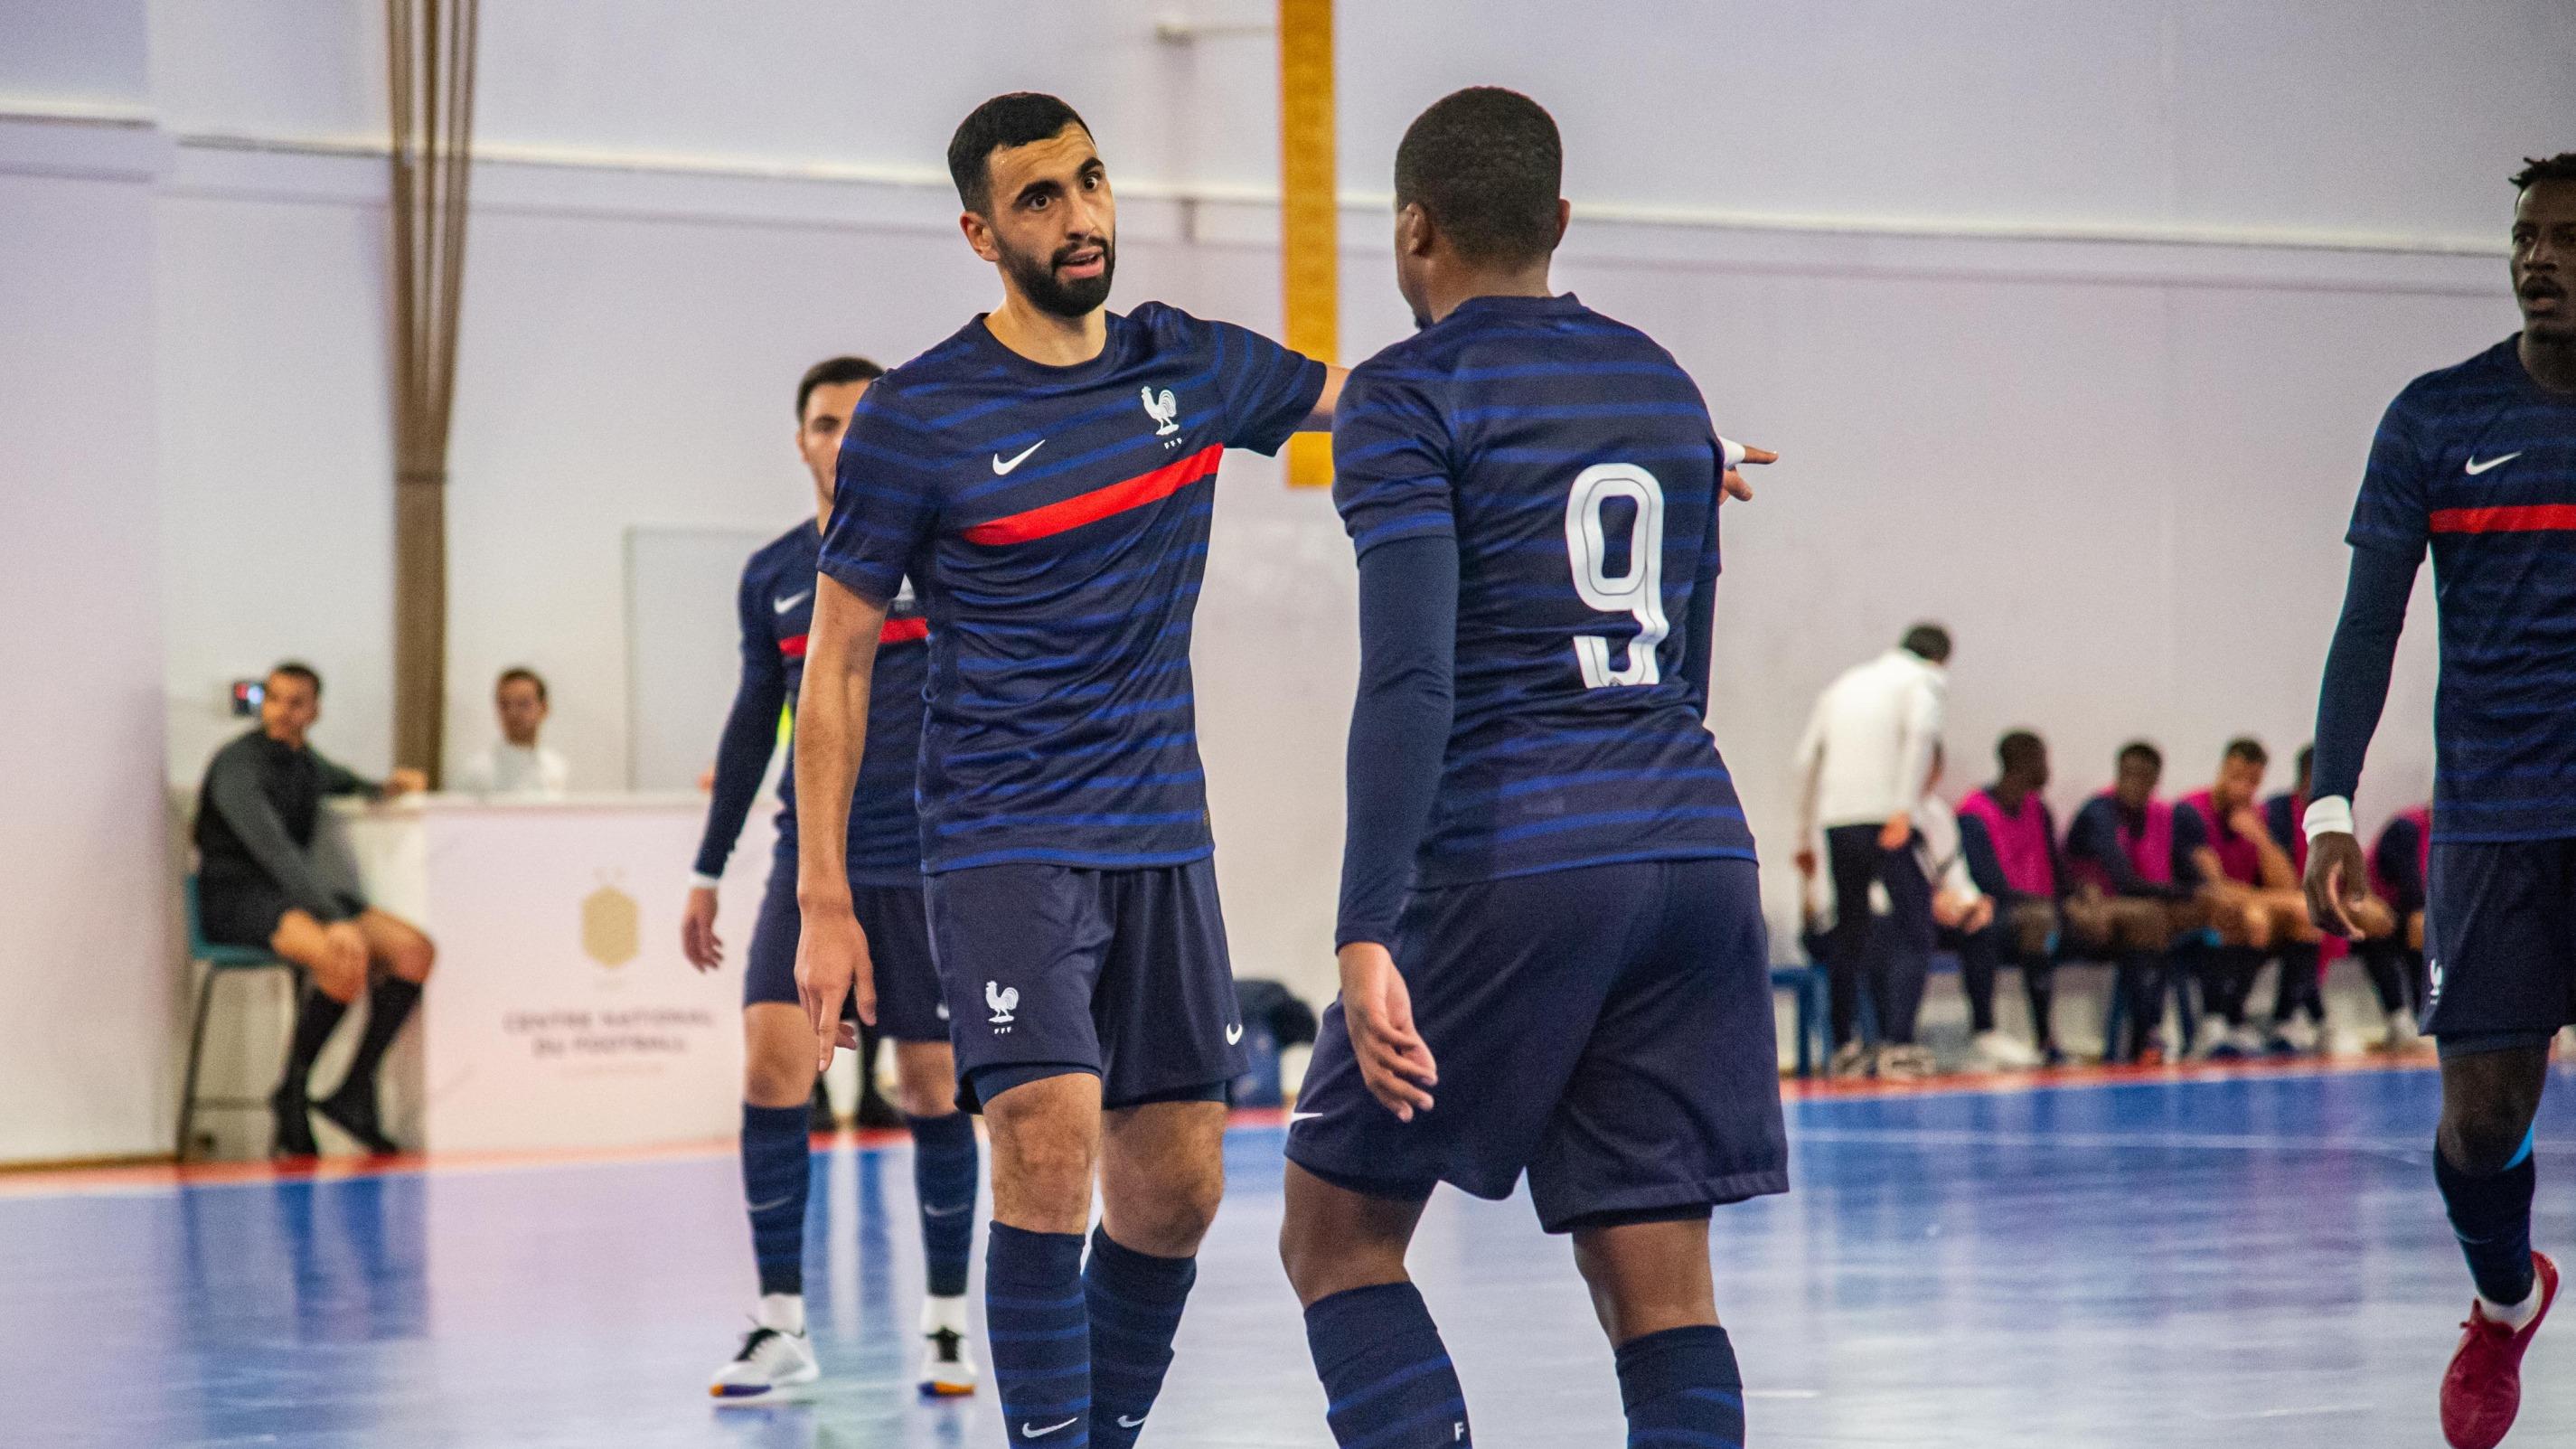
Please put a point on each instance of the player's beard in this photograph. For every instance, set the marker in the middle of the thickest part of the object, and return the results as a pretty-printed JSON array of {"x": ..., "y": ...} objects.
[{"x": 1078, "y": 298}]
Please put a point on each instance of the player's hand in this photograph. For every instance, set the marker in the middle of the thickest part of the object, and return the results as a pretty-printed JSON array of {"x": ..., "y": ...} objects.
[
  {"x": 832, "y": 968},
  {"x": 1378, "y": 1011},
  {"x": 1806, "y": 859},
  {"x": 1897, "y": 832},
  {"x": 405, "y": 781},
  {"x": 1732, "y": 484},
  {"x": 1980, "y": 916},
  {"x": 698, "y": 939},
  {"x": 2338, "y": 882},
  {"x": 2248, "y": 823}
]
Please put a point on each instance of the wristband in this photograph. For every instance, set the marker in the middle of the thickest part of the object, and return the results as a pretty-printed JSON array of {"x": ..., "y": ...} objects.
[
  {"x": 704, "y": 881},
  {"x": 2331, "y": 815},
  {"x": 1732, "y": 451}
]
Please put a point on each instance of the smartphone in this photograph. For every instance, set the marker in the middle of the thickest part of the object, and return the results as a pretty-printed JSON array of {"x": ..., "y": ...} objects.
[{"x": 247, "y": 694}]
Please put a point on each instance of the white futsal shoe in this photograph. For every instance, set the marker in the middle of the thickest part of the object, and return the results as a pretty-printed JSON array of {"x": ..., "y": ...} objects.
[
  {"x": 1998, "y": 1052},
  {"x": 775, "y": 1359},
  {"x": 947, "y": 1364}
]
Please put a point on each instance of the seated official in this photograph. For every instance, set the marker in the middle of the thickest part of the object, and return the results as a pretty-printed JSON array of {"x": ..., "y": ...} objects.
[
  {"x": 516, "y": 765},
  {"x": 2251, "y": 890},
  {"x": 2008, "y": 839},
  {"x": 2132, "y": 859},
  {"x": 258, "y": 884}
]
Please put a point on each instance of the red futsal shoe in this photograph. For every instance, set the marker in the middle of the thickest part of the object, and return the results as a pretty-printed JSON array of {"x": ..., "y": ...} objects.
[{"x": 2482, "y": 1390}]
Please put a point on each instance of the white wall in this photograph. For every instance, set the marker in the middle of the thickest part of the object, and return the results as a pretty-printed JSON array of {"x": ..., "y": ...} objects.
[
  {"x": 2071, "y": 319},
  {"x": 85, "y": 985}
]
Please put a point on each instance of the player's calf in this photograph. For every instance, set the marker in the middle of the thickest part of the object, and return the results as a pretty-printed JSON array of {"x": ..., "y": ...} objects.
[
  {"x": 1651, "y": 1289},
  {"x": 1385, "y": 1371}
]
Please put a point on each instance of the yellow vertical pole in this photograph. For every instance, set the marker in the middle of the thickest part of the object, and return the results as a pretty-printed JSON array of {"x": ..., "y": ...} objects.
[{"x": 1309, "y": 224}]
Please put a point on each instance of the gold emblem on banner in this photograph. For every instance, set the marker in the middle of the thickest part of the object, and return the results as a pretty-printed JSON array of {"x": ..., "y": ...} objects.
[{"x": 611, "y": 926}]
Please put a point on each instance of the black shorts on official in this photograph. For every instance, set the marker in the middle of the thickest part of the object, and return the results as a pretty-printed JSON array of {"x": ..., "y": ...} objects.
[
  {"x": 245, "y": 910},
  {"x": 2500, "y": 943},
  {"x": 1606, "y": 1029},
  {"x": 908, "y": 1005},
  {"x": 1051, "y": 969}
]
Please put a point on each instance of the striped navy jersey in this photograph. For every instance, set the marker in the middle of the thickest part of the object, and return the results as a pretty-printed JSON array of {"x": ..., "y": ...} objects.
[
  {"x": 1573, "y": 461},
  {"x": 1055, "y": 521},
  {"x": 775, "y": 606},
  {"x": 2479, "y": 461}
]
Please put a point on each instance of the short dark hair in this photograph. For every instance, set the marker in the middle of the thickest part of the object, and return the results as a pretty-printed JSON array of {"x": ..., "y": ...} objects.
[
  {"x": 298, "y": 669},
  {"x": 2018, "y": 747},
  {"x": 1927, "y": 642},
  {"x": 830, "y": 372},
  {"x": 2248, "y": 749},
  {"x": 2536, "y": 169},
  {"x": 1022, "y": 118},
  {"x": 2140, "y": 749},
  {"x": 1486, "y": 164},
  {"x": 521, "y": 671},
  {"x": 2307, "y": 759}
]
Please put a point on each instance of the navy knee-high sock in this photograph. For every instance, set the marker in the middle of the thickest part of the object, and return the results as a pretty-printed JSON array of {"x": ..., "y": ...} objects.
[
  {"x": 1387, "y": 1378},
  {"x": 944, "y": 1180},
  {"x": 776, "y": 1175},
  {"x": 1135, "y": 1301},
  {"x": 1041, "y": 1336},
  {"x": 2491, "y": 1215},
  {"x": 1681, "y": 1390}
]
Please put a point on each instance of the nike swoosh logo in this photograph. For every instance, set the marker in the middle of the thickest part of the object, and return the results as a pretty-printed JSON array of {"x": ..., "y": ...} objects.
[
  {"x": 1000, "y": 467},
  {"x": 1234, "y": 1033},
  {"x": 1296, "y": 1117},
  {"x": 781, "y": 606},
  {"x": 1126, "y": 1423},
  {"x": 1032, "y": 1431},
  {"x": 931, "y": 1212},
  {"x": 2476, "y": 467},
  {"x": 762, "y": 1207}
]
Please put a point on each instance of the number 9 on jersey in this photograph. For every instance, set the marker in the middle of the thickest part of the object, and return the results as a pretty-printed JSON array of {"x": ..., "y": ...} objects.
[{"x": 1639, "y": 591}]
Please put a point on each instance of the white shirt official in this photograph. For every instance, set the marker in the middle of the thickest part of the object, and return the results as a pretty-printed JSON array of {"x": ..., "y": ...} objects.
[
  {"x": 1868, "y": 746},
  {"x": 505, "y": 770}
]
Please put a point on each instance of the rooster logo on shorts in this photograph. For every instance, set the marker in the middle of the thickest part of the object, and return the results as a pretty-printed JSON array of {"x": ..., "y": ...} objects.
[{"x": 1003, "y": 999}]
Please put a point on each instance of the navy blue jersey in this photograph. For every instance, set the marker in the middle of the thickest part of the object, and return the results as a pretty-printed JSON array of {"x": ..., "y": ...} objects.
[
  {"x": 775, "y": 606},
  {"x": 1055, "y": 521},
  {"x": 2479, "y": 461},
  {"x": 1574, "y": 463}
]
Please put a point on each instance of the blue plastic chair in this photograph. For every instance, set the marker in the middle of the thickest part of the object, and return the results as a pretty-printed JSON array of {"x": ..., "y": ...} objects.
[
  {"x": 219, "y": 961},
  {"x": 1814, "y": 1011}
]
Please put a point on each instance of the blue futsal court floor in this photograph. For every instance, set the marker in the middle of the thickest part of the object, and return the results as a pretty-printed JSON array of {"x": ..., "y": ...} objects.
[{"x": 2255, "y": 1259}]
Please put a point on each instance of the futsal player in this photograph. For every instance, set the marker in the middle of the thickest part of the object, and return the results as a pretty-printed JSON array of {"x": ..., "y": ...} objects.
[
  {"x": 2478, "y": 462},
  {"x": 1551, "y": 941},
  {"x": 882, "y": 860},
  {"x": 1045, "y": 477},
  {"x": 2248, "y": 888}
]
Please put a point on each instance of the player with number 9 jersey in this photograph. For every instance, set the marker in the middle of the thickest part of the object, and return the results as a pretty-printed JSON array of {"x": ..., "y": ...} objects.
[{"x": 1572, "y": 900}]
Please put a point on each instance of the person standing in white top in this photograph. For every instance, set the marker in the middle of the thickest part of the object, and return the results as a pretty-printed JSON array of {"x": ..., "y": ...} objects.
[
  {"x": 515, "y": 765},
  {"x": 1862, "y": 766}
]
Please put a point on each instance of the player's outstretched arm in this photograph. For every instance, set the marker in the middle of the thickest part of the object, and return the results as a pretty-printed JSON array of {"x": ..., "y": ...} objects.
[
  {"x": 831, "y": 734},
  {"x": 2349, "y": 702}
]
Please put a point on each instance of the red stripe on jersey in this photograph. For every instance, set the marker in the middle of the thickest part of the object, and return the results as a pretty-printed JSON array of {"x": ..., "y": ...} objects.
[
  {"x": 792, "y": 648},
  {"x": 1100, "y": 503},
  {"x": 2522, "y": 518},
  {"x": 903, "y": 631}
]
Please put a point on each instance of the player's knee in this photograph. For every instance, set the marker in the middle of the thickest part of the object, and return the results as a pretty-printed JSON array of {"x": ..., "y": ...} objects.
[
  {"x": 775, "y": 1077},
  {"x": 413, "y": 958},
  {"x": 340, "y": 979},
  {"x": 920, "y": 1095},
  {"x": 1172, "y": 1219}
]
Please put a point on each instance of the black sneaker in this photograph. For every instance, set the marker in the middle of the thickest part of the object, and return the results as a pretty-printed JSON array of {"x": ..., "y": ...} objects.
[{"x": 352, "y": 1109}]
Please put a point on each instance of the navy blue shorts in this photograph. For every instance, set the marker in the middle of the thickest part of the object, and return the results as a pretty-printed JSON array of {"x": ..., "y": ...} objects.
[
  {"x": 908, "y": 1004},
  {"x": 1606, "y": 1029},
  {"x": 1121, "y": 973},
  {"x": 2500, "y": 940}
]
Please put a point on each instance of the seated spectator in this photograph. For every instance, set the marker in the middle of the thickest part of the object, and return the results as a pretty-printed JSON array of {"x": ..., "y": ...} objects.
[
  {"x": 515, "y": 764},
  {"x": 258, "y": 885},
  {"x": 2132, "y": 859},
  {"x": 2391, "y": 944},
  {"x": 1963, "y": 918},
  {"x": 2009, "y": 840},
  {"x": 2253, "y": 900}
]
